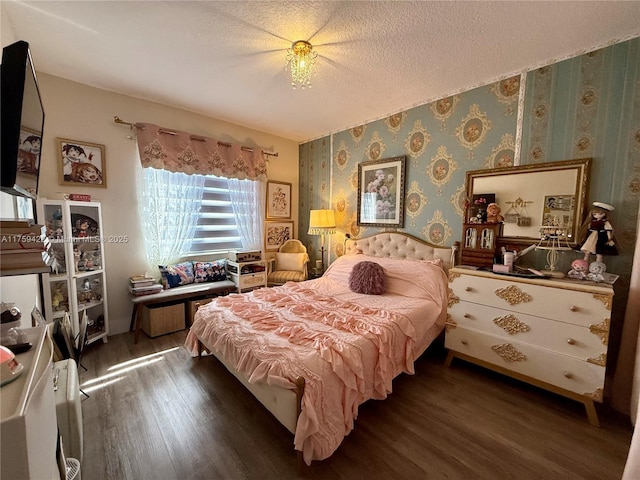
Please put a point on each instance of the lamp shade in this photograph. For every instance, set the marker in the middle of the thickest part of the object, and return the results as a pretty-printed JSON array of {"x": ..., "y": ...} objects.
[{"x": 321, "y": 222}]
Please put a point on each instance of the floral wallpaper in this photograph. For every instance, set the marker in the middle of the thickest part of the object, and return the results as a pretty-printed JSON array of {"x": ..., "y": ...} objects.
[
  {"x": 440, "y": 141},
  {"x": 583, "y": 107}
]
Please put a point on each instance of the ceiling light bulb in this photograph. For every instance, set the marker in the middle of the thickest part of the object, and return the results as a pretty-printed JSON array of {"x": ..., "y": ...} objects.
[{"x": 300, "y": 61}]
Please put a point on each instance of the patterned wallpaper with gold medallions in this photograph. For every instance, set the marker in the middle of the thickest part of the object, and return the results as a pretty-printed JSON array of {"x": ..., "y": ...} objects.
[{"x": 441, "y": 141}]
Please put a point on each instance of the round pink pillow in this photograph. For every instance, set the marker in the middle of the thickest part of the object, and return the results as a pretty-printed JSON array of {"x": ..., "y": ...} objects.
[{"x": 368, "y": 278}]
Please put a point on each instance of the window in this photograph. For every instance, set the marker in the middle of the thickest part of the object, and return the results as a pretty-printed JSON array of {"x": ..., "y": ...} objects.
[{"x": 216, "y": 229}]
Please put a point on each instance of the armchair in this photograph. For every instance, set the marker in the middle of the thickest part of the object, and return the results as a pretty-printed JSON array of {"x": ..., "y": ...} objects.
[{"x": 289, "y": 264}]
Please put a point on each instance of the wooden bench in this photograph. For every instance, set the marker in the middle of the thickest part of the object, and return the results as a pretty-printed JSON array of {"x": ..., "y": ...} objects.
[{"x": 176, "y": 294}]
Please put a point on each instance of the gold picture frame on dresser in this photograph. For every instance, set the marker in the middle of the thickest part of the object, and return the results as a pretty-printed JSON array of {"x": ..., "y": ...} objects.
[{"x": 551, "y": 333}]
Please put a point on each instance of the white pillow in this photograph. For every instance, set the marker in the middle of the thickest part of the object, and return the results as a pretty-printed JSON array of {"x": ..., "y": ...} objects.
[{"x": 290, "y": 261}]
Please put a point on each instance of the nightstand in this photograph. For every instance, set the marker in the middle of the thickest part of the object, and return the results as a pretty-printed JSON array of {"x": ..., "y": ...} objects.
[
  {"x": 247, "y": 275},
  {"x": 552, "y": 333},
  {"x": 315, "y": 273}
]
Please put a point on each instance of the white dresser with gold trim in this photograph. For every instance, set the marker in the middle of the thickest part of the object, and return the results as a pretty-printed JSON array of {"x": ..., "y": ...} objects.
[{"x": 552, "y": 333}]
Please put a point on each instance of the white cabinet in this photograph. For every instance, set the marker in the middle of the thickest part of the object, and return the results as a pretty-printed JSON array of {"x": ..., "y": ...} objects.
[
  {"x": 29, "y": 432},
  {"x": 77, "y": 282},
  {"x": 247, "y": 275},
  {"x": 550, "y": 333}
]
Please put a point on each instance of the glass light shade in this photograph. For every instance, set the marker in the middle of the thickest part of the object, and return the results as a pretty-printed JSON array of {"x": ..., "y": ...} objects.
[
  {"x": 322, "y": 222},
  {"x": 300, "y": 59}
]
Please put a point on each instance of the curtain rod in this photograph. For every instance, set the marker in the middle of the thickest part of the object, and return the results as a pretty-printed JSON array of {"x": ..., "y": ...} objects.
[{"x": 117, "y": 119}]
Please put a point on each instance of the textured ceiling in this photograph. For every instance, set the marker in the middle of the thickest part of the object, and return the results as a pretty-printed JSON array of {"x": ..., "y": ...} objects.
[{"x": 226, "y": 59}]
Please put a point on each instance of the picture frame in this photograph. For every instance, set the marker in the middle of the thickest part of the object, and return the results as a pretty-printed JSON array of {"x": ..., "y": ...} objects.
[
  {"x": 276, "y": 233},
  {"x": 278, "y": 200},
  {"x": 29, "y": 151},
  {"x": 81, "y": 163},
  {"x": 37, "y": 319},
  {"x": 381, "y": 191},
  {"x": 478, "y": 207},
  {"x": 557, "y": 210}
]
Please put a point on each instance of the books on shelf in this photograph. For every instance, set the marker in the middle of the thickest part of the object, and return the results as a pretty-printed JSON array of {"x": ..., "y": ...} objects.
[
  {"x": 24, "y": 247},
  {"x": 141, "y": 281},
  {"x": 25, "y": 260},
  {"x": 23, "y": 231},
  {"x": 16, "y": 222},
  {"x": 143, "y": 285},
  {"x": 24, "y": 244},
  {"x": 146, "y": 290}
]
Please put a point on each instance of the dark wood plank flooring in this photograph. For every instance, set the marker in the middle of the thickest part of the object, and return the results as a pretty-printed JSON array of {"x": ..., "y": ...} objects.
[{"x": 173, "y": 417}]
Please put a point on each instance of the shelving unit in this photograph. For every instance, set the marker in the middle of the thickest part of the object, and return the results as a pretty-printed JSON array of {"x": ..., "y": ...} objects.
[
  {"x": 76, "y": 283},
  {"x": 247, "y": 275}
]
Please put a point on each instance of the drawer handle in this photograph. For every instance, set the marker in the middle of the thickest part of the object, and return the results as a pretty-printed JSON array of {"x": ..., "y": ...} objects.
[
  {"x": 573, "y": 308},
  {"x": 568, "y": 374},
  {"x": 571, "y": 341},
  {"x": 464, "y": 342},
  {"x": 467, "y": 315},
  {"x": 468, "y": 289}
]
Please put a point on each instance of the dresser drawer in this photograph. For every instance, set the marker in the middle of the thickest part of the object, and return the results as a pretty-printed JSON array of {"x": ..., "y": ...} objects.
[
  {"x": 563, "y": 304},
  {"x": 573, "y": 340},
  {"x": 582, "y": 378}
]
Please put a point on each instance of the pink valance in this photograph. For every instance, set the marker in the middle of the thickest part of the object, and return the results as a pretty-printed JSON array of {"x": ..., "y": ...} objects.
[{"x": 177, "y": 151}]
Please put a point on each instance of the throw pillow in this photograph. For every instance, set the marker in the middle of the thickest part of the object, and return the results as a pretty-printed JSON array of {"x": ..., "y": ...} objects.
[
  {"x": 177, "y": 274},
  {"x": 210, "y": 271},
  {"x": 368, "y": 278},
  {"x": 290, "y": 261}
]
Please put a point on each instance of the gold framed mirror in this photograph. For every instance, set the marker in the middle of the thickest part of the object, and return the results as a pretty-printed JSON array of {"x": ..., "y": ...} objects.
[{"x": 533, "y": 196}]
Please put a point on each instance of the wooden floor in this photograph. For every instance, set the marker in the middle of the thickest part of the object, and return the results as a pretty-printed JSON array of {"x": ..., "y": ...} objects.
[{"x": 173, "y": 417}]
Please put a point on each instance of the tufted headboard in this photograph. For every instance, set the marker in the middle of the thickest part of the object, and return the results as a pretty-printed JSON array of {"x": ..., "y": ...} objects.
[{"x": 401, "y": 245}]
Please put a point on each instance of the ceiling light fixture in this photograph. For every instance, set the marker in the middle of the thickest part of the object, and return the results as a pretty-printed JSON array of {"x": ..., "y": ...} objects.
[{"x": 300, "y": 59}]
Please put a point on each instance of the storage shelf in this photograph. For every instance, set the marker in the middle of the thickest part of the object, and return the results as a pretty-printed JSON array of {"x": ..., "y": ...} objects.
[
  {"x": 87, "y": 273},
  {"x": 86, "y": 306},
  {"x": 60, "y": 218}
]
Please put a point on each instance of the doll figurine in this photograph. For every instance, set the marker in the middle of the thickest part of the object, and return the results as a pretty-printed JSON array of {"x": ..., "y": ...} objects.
[
  {"x": 598, "y": 232},
  {"x": 579, "y": 269},
  {"x": 493, "y": 213},
  {"x": 596, "y": 272}
]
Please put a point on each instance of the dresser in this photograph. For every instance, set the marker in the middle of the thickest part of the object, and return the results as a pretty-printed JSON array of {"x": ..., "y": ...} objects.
[{"x": 552, "y": 333}]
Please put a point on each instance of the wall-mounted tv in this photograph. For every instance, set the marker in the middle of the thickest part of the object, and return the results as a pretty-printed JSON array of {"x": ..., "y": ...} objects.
[{"x": 22, "y": 122}]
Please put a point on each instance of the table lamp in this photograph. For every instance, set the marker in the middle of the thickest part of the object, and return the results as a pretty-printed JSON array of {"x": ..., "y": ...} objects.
[{"x": 322, "y": 222}]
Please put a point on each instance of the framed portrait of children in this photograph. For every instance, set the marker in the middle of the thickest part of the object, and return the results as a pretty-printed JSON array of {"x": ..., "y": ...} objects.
[
  {"x": 81, "y": 163},
  {"x": 278, "y": 200}
]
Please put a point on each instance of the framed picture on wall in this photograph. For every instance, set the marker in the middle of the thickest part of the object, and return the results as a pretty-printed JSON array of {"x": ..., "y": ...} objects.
[
  {"x": 278, "y": 200},
  {"x": 381, "y": 192},
  {"x": 81, "y": 163},
  {"x": 276, "y": 233}
]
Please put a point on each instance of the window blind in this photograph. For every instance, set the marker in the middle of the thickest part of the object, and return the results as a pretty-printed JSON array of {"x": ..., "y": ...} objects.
[{"x": 216, "y": 229}]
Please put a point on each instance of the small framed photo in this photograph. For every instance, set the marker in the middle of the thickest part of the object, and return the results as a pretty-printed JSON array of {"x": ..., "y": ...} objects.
[
  {"x": 37, "y": 319},
  {"x": 276, "y": 233},
  {"x": 381, "y": 192},
  {"x": 278, "y": 200},
  {"x": 81, "y": 163}
]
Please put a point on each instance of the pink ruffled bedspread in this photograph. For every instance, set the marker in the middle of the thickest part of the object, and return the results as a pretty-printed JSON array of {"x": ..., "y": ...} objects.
[{"x": 347, "y": 352}]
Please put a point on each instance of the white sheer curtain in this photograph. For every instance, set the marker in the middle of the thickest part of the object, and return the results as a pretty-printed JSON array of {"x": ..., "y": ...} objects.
[
  {"x": 248, "y": 202},
  {"x": 169, "y": 208}
]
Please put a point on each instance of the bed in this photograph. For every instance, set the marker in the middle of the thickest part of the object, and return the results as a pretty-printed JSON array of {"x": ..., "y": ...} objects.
[{"x": 312, "y": 352}]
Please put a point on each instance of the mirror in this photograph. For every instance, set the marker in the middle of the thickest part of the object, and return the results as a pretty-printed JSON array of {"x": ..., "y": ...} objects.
[{"x": 531, "y": 197}]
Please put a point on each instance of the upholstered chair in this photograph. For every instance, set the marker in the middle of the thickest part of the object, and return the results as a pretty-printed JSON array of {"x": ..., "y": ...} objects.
[{"x": 289, "y": 264}]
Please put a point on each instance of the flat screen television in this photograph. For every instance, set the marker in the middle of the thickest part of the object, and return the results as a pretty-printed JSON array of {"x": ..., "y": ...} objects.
[{"x": 22, "y": 122}]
